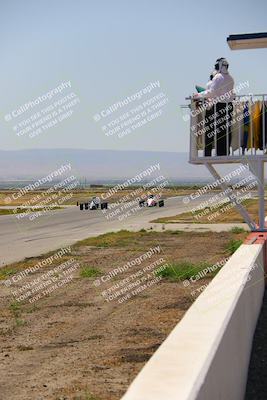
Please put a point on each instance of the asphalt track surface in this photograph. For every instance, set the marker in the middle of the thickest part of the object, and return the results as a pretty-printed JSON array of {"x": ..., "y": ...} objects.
[
  {"x": 257, "y": 375},
  {"x": 22, "y": 237}
]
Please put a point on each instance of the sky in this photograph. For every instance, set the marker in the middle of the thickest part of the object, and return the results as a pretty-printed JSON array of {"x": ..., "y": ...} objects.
[{"x": 109, "y": 50}]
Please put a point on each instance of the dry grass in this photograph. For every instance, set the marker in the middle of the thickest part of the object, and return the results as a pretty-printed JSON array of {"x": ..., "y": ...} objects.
[
  {"x": 223, "y": 214},
  {"x": 82, "y": 195},
  {"x": 12, "y": 211},
  {"x": 73, "y": 344}
]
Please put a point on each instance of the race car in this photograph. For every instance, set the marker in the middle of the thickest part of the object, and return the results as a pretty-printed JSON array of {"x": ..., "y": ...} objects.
[
  {"x": 93, "y": 204},
  {"x": 151, "y": 201}
]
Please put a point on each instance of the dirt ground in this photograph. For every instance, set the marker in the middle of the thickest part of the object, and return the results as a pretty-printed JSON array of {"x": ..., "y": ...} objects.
[{"x": 74, "y": 344}]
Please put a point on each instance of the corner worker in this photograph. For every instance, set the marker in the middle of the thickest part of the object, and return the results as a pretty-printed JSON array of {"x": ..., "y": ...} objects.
[{"x": 219, "y": 96}]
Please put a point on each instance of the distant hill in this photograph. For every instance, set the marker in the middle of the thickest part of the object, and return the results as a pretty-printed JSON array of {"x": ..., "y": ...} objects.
[{"x": 97, "y": 165}]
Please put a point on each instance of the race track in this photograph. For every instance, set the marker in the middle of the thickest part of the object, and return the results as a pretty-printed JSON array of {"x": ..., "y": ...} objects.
[{"x": 20, "y": 238}]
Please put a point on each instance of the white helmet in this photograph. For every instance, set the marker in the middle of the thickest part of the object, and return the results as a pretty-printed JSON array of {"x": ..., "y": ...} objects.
[{"x": 221, "y": 65}]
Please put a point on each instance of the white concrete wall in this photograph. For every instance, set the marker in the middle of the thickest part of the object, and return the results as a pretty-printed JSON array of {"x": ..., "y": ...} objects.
[{"x": 206, "y": 356}]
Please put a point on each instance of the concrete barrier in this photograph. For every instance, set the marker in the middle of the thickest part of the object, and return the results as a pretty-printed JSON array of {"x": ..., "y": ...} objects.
[{"x": 206, "y": 356}]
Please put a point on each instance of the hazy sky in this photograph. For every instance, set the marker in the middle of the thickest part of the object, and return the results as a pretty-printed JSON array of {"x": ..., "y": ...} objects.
[{"x": 111, "y": 49}]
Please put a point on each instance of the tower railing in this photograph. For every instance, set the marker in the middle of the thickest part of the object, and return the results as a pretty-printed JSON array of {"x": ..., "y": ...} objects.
[
  {"x": 232, "y": 132},
  {"x": 229, "y": 134}
]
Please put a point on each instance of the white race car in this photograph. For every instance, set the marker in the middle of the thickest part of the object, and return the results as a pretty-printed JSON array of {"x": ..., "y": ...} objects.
[
  {"x": 151, "y": 201},
  {"x": 93, "y": 204}
]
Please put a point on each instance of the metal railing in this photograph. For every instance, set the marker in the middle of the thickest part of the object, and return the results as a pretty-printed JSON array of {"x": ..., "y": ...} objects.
[{"x": 230, "y": 131}]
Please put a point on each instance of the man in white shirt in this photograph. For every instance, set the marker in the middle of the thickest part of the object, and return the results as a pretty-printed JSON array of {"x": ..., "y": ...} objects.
[
  {"x": 222, "y": 85},
  {"x": 219, "y": 94}
]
